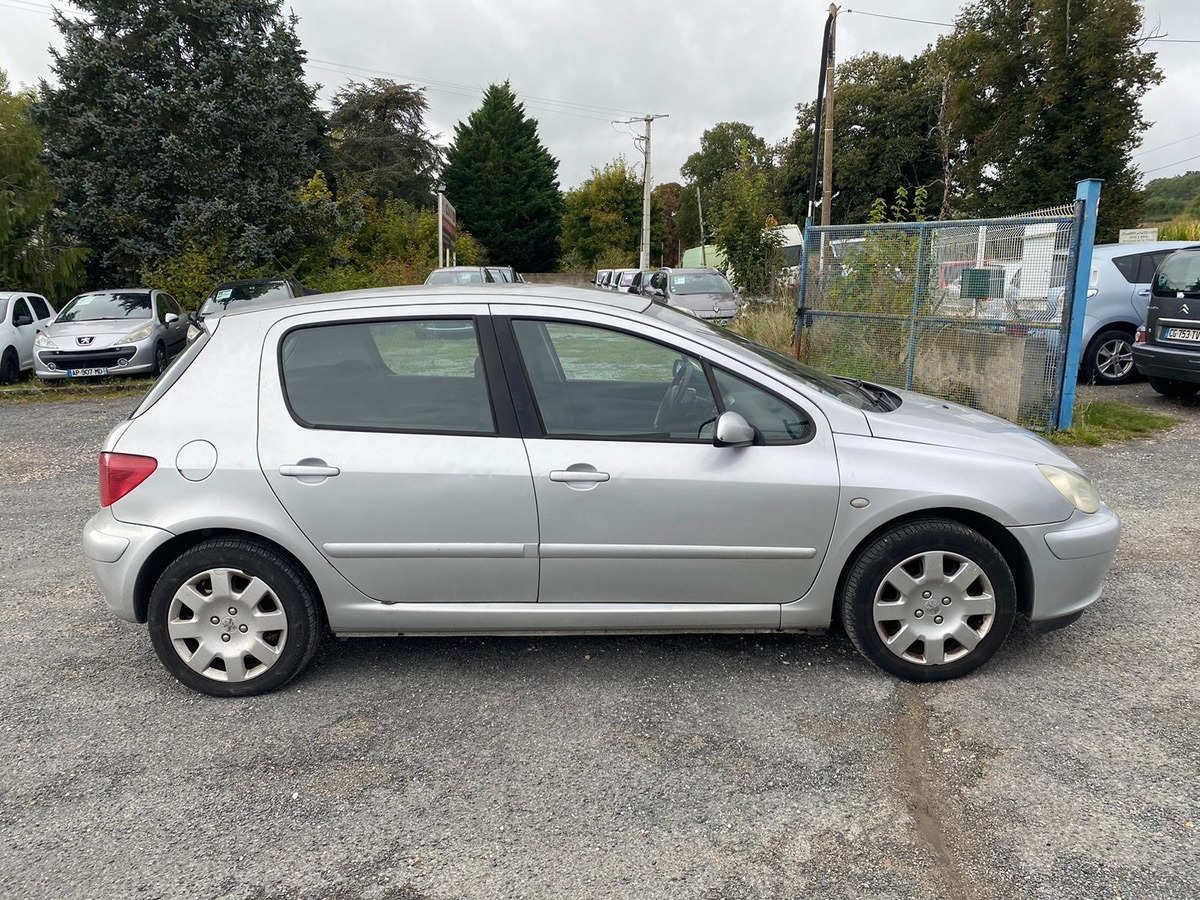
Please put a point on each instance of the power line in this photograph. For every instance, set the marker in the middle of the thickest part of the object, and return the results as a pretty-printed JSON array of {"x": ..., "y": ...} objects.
[
  {"x": 1169, "y": 165},
  {"x": 899, "y": 18},
  {"x": 1190, "y": 137}
]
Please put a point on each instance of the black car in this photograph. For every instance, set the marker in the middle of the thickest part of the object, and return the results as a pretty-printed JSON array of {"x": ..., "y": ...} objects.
[
  {"x": 251, "y": 290},
  {"x": 1167, "y": 347}
]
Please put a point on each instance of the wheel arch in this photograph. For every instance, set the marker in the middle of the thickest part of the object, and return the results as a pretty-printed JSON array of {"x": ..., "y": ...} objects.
[
  {"x": 157, "y": 562},
  {"x": 1009, "y": 547}
]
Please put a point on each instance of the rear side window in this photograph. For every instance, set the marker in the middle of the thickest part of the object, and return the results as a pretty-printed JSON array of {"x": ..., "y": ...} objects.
[
  {"x": 409, "y": 376},
  {"x": 1179, "y": 274},
  {"x": 1128, "y": 266}
]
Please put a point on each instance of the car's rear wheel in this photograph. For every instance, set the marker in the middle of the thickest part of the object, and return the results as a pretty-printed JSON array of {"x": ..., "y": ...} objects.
[
  {"x": 929, "y": 600},
  {"x": 232, "y": 617},
  {"x": 1110, "y": 358},
  {"x": 10, "y": 367},
  {"x": 1169, "y": 387}
]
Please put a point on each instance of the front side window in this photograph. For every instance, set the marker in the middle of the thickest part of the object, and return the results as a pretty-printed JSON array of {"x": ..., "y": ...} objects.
[
  {"x": 20, "y": 314},
  {"x": 41, "y": 309},
  {"x": 115, "y": 305},
  {"x": 412, "y": 375},
  {"x": 777, "y": 421},
  {"x": 594, "y": 382}
]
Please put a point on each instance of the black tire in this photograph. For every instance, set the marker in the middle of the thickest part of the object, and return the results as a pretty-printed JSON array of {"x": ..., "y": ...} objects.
[
  {"x": 869, "y": 578},
  {"x": 1109, "y": 358},
  {"x": 290, "y": 591},
  {"x": 160, "y": 359},
  {"x": 10, "y": 367},
  {"x": 1169, "y": 387}
]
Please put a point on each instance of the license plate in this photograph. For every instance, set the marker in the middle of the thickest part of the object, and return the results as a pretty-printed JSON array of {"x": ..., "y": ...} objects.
[
  {"x": 1182, "y": 334},
  {"x": 84, "y": 373}
]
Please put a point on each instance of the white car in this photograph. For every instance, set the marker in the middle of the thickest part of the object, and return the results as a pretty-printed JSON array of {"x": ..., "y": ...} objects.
[{"x": 21, "y": 314}]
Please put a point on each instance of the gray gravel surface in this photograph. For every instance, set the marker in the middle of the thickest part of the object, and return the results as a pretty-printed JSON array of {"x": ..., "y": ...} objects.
[{"x": 677, "y": 767}]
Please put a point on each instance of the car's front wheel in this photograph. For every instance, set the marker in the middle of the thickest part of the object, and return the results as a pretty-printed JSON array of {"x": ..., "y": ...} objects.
[
  {"x": 233, "y": 617},
  {"x": 1169, "y": 387},
  {"x": 929, "y": 600},
  {"x": 1110, "y": 358}
]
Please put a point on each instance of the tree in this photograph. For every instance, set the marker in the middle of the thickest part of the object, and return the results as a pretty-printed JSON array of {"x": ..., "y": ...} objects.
[
  {"x": 504, "y": 183},
  {"x": 380, "y": 144},
  {"x": 1041, "y": 94},
  {"x": 726, "y": 147},
  {"x": 602, "y": 225},
  {"x": 751, "y": 250},
  {"x": 667, "y": 199},
  {"x": 175, "y": 124},
  {"x": 32, "y": 256}
]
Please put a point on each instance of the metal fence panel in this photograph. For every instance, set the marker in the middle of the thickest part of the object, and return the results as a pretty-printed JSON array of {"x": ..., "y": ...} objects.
[{"x": 970, "y": 311}]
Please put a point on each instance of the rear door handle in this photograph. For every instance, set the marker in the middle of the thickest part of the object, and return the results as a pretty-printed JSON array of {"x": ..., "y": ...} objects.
[
  {"x": 309, "y": 471},
  {"x": 1145, "y": 293},
  {"x": 572, "y": 476}
]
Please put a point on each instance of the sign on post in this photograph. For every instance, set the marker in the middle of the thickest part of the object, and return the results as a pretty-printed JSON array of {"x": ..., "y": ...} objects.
[
  {"x": 1137, "y": 235},
  {"x": 447, "y": 232}
]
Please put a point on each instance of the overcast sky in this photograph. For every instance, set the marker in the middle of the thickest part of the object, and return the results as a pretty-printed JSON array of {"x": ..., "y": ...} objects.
[{"x": 581, "y": 64}]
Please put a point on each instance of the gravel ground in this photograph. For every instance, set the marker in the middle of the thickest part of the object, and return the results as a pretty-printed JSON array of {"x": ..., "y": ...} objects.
[{"x": 642, "y": 767}]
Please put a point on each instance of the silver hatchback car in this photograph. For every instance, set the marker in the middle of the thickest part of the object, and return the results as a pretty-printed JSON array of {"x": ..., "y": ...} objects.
[
  {"x": 585, "y": 462},
  {"x": 126, "y": 332}
]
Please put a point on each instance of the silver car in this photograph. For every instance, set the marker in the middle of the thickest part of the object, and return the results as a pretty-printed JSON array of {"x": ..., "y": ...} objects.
[
  {"x": 703, "y": 291},
  {"x": 125, "y": 332},
  {"x": 584, "y": 462}
]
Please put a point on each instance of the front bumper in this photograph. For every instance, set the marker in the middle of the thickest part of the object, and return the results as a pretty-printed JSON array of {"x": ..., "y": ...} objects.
[
  {"x": 124, "y": 359},
  {"x": 116, "y": 552},
  {"x": 1069, "y": 561},
  {"x": 1156, "y": 361}
]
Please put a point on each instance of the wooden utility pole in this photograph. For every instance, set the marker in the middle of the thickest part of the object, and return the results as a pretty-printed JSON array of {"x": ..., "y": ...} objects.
[
  {"x": 827, "y": 168},
  {"x": 700, "y": 212}
]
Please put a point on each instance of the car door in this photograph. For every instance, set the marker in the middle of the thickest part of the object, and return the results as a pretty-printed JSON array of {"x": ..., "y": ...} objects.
[
  {"x": 175, "y": 330},
  {"x": 635, "y": 503},
  {"x": 384, "y": 436},
  {"x": 25, "y": 327}
]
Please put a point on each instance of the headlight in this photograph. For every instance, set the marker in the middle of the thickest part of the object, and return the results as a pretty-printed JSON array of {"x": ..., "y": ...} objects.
[
  {"x": 41, "y": 341},
  {"x": 140, "y": 335},
  {"x": 1076, "y": 489},
  {"x": 192, "y": 333}
]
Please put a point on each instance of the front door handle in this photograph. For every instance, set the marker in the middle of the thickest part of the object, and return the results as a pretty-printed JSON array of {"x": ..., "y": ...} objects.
[
  {"x": 575, "y": 476},
  {"x": 309, "y": 471}
]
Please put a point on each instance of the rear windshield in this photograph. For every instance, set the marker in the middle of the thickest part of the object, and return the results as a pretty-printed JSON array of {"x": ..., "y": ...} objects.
[
  {"x": 700, "y": 283},
  {"x": 447, "y": 276},
  {"x": 113, "y": 305},
  {"x": 227, "y": 295},
  {"x": 1179, "y": 274}
]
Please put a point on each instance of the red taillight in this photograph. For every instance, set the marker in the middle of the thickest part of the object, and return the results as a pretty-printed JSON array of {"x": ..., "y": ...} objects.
[
  {"x": 1140, "y": 337},
  {"x": 120, "y": 473}
]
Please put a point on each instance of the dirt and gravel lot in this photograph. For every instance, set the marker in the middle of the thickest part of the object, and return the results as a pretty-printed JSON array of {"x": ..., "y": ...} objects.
[{"x": 642, "y": 767}]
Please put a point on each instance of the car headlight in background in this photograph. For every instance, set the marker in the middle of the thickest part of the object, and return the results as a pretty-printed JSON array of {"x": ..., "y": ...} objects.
[
  {"x": 41, "y": 341},
  {"x": 140, "y": 335},
  {"x": 1076, "y": 489}
]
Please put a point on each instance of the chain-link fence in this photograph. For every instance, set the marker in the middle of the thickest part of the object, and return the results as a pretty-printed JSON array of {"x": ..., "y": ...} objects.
[{"x": 972, "y": 311}]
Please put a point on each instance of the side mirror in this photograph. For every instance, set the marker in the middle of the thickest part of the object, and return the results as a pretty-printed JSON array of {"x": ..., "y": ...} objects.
[
  {"x": 658, "y": 292},
  {"x": 733, "y": 431},
  {"x": 171, "y": 318}
]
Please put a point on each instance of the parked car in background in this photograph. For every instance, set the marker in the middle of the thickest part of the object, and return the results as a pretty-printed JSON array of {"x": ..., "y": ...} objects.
[
  {"x": 584, "y": 462},
  {"x": 704, "y": 292},
  {"x": 600, "y": 279},
  {"x": 252, "y": 290},
  {"x": 622, "y": 279},
  {"x": 127, "y": 332},
  {"x": 641, "y": 282},
  {"x": 21, "y": 315},
  {"x": 501, "y": 274},
  {"x": 1118, "y": 295},
  {"x": 1167, "y": 347},
  {"x": 461, "y": 275}
]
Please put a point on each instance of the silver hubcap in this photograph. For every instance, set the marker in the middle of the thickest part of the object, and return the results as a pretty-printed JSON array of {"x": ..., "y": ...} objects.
[
  {"x": 1114, "y": 359},
  {"x": 227, "y": 625},
  {"x": 934, "y": 608}
]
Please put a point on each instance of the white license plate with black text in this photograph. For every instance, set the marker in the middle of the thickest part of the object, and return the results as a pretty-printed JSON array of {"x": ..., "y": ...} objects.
[{"x": 84, "y": 373}]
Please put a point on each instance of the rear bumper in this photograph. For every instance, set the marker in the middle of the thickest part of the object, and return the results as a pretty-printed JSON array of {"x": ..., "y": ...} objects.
[
  {"x": 116, "y": 552},
  {"x": 1069, "y": 561},
  {"x": 1167, "y": 362}
]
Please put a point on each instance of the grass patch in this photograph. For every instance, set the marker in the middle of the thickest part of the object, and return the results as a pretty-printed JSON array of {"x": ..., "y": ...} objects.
[
  {"x": 1109, "y": 421},
  {"x": 33, "y": 391},
  {"x": 770, "y": 324}
]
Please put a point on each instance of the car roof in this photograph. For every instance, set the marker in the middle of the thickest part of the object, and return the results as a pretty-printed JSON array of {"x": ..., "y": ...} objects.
[
  {"x": 465, "y": 268},
  {"x": 1142, "y": 247},
  {"x": 529, "y": 294}
]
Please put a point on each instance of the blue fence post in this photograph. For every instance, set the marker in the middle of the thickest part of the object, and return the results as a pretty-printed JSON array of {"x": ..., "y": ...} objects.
[
  {"x": 1088, "y": 191},
  {"x": 918, "y": 284}
]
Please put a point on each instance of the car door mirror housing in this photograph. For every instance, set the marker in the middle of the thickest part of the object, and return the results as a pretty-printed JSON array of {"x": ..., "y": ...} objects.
[
  {"x": 733, "y": 431},
  {"x": 171, "y": 318}
]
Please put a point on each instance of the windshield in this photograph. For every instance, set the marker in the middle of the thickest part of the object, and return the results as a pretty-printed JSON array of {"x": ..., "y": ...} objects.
[
  {"x": 114, "y": 305},
  {"x": 777, "y": 362},
  {"x": 1179, "y": 274},
  {"x": 227, "y": 295},
  {"x": 455, "y": 276},
  {"x": 700, "y": 283}
]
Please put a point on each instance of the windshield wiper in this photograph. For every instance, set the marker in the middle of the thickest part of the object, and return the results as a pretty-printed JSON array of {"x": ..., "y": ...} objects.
[{"x": 878, "y": 397}]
